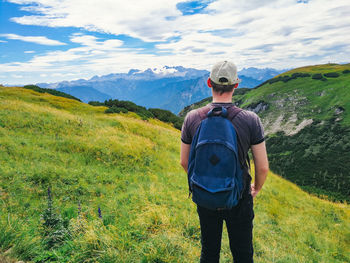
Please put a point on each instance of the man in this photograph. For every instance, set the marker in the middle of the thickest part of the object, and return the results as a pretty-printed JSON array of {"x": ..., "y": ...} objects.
[{"x": 223, "y": 81}]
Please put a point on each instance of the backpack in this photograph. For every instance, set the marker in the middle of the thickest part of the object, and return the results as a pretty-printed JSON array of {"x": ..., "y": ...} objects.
[{"x": 215, "y": 174}]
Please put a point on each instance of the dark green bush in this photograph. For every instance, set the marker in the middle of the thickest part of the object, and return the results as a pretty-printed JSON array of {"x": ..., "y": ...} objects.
[
  {"x": 96, "y": 103},
  {"x": 50, "y": 91},
  {"x": 115, "y": 109},
  {"x": 242, "y": 91},
  {"x": 167, "y": 116},
  {"x": 286, "y": 78},
  {"x": 317, "y": 76},
  {"x": 346, "y": 71},
  {"x": 331, "y": 75},
  {"x": 273, "y": 80},
  {"x": 129, "y": 106},
  {"x": 300, "y": 75}
]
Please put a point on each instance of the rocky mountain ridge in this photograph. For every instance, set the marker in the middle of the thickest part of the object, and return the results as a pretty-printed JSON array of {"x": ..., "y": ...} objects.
[{"x": 170, "y": 88}]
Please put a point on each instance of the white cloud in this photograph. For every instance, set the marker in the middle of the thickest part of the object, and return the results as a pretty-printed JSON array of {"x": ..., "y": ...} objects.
[
  {"x": 29, "y": 52},
  {"x": 92, "y": 43},
  {"x": 16, "y": 76},
  {"x": 42, "y": 40},
  {"x": 141, "y": 19},
  {"x": 263, "y": 33}
]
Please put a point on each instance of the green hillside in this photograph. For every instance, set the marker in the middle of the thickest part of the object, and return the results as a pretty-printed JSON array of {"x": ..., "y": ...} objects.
[
  {"x": 306, "y": 115},
  {"x": 119, "y": 194}
]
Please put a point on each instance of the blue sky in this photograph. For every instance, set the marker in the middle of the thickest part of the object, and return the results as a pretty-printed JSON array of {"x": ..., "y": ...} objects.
[{"x": 49, "y": 41}]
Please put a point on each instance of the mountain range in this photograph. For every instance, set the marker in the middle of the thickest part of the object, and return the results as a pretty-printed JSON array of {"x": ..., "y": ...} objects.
[{"x": 170, "y": 88}]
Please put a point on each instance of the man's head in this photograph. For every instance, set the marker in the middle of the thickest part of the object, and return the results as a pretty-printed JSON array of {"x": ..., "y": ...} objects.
[{"x": 223, "y": 77}]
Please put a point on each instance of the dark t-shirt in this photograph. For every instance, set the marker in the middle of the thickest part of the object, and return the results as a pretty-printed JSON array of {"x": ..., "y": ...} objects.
[{"x": 247, "y": 124}]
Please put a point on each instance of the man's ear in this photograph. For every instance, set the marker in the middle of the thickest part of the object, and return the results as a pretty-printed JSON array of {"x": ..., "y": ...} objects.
[
  {"x": 236, "y": 86},
  {"x": 209, "y": 83}
]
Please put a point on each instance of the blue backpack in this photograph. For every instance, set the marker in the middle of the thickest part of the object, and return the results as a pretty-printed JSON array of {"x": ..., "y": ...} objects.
[{"x": 215, "y": 174}]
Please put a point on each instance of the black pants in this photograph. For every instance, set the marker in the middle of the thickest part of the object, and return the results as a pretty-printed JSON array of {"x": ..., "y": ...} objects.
[{"x": 239, "y": 223}]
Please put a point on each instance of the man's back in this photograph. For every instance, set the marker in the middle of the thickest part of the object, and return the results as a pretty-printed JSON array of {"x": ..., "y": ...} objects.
[{"x": 247, "y": 124}]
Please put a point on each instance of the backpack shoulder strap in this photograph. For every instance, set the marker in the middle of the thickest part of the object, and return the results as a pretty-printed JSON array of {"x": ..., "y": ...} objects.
[
  {"x": 203, "y": 112},
  {"x": 233, "y": 112}
]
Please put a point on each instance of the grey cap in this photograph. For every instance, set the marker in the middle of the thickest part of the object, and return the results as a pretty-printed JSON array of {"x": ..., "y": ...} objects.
[{"x": 224, "y": 73}]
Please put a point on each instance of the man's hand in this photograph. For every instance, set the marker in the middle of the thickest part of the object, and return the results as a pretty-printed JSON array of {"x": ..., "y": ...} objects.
[{"x": 253, "y": 191}]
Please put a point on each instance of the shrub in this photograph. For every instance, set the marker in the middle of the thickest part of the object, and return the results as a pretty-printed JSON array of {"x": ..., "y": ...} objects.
[
  {"x": 96, "y": 103},
  {"x": 274, "y": 80},
  {"x": 286, "y": 78},
  {"x": 331, "y": 75},
  {"x": 128, "y": 106},
  {"x": 50, "y": 91},
  {"x": 317, "y": 76},
  {"x": 115, "y": 109},
  {"x": 300, "y": 75},
  {"x": 242, "y": 91},
  {"x": 346, "y": 71},
  {"x": 167, "y": 116}
]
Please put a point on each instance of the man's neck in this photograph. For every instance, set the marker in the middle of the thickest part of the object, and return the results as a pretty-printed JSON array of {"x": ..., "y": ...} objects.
[
  {"x": 215, "y": 101},
  {"x": 222, "y": 99}
]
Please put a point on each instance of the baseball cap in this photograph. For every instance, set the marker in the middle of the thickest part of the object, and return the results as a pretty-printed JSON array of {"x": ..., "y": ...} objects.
[{"x": 224, "y": 73}]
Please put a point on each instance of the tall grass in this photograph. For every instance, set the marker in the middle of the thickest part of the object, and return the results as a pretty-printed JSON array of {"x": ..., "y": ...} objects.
[{"x": 128, "y": 168}]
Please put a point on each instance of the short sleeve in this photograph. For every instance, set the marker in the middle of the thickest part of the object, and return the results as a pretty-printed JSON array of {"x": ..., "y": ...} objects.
[
  {"x": 257, "y": 130},
  {"x": 185, "y": 131}
]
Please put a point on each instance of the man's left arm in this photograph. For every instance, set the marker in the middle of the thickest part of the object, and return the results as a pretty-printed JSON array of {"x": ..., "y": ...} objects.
[
  {"x": 184, "y": 155},
  {"x": 261, "y": 167}
]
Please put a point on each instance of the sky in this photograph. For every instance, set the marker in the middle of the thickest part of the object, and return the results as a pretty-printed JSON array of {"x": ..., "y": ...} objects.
[{"x": 56, "y": 40}]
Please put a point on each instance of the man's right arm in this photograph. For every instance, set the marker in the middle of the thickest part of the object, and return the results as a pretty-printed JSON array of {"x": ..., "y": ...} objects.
[
  {"x": 261, "y": 167},
  {"x": 184, "y": 155}
]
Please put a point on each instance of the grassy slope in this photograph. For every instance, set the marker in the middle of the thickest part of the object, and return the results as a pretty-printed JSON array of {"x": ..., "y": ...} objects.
[
  {"x": 130, "y": 169},
  {"x": 303, "y": 95}
]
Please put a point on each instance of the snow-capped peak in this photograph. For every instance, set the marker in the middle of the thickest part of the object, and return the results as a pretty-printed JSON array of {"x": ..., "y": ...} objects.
[
  {"x": 161, "y": 71},
  {"x": 164, "y": 70}
]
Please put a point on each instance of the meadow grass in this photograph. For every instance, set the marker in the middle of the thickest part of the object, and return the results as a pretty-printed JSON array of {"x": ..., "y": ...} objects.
[{"x": 129, "y": 168}]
